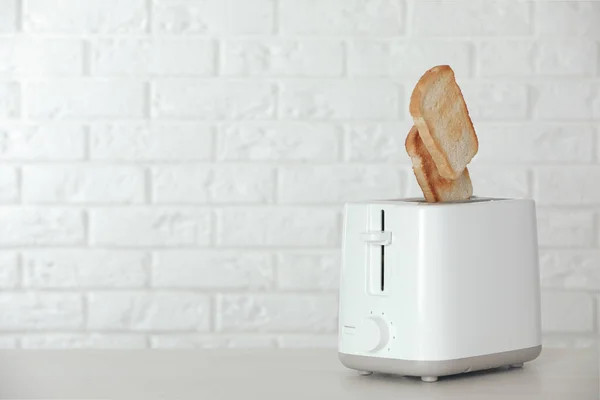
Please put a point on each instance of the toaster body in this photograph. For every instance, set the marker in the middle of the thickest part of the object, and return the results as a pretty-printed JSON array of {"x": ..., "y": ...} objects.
[{"x": 438, "y": 289}]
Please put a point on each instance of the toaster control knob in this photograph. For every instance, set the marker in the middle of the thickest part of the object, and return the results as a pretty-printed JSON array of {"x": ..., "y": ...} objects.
[{"x": 373, "y": 333}]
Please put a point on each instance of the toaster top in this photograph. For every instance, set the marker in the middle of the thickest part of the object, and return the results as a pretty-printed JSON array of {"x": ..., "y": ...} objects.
[{"x": 422, "y": 201}]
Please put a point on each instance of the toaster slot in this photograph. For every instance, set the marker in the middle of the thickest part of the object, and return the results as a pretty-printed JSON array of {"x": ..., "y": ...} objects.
[
  {"x": 377, "y": 239},
  {"x": 382, "y": 253}
]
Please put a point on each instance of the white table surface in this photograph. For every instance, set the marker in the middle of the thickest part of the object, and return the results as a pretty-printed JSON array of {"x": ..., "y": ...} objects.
[{"x": 275, "y": 374}]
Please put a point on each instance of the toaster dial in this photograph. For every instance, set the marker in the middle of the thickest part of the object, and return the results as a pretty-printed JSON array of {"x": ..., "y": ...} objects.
[{"x": 374, "y": 334}]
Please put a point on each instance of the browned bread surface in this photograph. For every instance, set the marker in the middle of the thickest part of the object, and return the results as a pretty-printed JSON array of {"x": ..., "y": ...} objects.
[
  {"x": 435, "y": 188},
  {"x": 440, "y": 114}
]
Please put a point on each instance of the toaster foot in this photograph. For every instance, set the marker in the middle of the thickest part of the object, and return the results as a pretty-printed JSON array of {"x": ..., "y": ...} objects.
[
  {"x": 429, "y": 378},
  {"x": 517, "y": 365},
  {"x": 365, "y": 373}
]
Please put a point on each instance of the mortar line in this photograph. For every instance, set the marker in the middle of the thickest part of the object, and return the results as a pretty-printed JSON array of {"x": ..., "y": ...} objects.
[
  {"x": 148, "y": 185},
  {"x": 147, "y": 93},
  {"x": 595, "y": 229},
  {"x": 19, "y": 182},
  {"x": 86, "y": 129},
  {"x": 213, "y": 313},
  {"x": 275, "y": 259},
  {"x": 532, "y": 23},
  {"x": 216, "y": 130},
  {"x": 408, "y": 18},
  {"x": 85, "y": 310},
  {"x": 214, "y": 227},
  {"x": 276, "y": 11},
  {"x": 19, "y": 15},
  {"x": 149, "y": 13},
  {"x": 345, "y": 45},
  {"x": 343, "y": 141},
  {"x": 86, "y": 49},
  {"x": 530, "y": 183},
  {"x": 20, "y": 271},
  {"x": 86, "y": 227},
  {"x": 595, "y": 144},
  {"x": 217, "y": 47},
  {"x": 149, "y": 269},
  {"x": 595, "y": 308}
]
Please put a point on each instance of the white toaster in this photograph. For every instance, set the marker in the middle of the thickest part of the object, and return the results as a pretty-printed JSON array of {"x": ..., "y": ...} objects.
[{"x": 434, "y": 289}]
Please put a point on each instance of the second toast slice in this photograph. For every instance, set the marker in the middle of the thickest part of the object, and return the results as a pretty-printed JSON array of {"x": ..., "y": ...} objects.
[{"x": 435, "y": 188}]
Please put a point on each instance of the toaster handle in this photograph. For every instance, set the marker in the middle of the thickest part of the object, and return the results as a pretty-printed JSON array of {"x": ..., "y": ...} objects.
[{"x": 377, "y": 238}]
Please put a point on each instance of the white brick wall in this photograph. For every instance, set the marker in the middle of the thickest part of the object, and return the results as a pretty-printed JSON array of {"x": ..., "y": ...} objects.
[{"x": 172, "y": 172}]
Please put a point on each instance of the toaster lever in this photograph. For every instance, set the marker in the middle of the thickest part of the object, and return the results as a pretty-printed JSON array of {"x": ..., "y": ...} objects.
[{"x": 377, "y": 238}]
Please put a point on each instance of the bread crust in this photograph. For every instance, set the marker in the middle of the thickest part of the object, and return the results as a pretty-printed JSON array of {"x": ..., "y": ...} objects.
[
  {"x": 435, "y": 188},
  {"x": 439, "y": 156}
]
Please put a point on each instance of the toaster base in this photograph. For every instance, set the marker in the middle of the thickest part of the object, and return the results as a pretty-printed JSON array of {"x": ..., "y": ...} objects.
[{"x": 433, "y": 369}]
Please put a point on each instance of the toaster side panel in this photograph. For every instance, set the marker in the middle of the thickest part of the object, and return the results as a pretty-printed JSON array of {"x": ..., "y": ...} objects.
[{"x": 480, "y": 280}]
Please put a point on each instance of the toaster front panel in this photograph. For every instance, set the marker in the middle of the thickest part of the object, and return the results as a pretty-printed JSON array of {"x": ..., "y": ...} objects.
[{"x": 379, "y": 313}]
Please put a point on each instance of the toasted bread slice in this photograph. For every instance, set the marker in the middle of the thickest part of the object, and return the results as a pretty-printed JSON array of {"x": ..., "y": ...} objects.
[
  {"x": 441, "y": 116},
  {"x": 435, "y": 188}
]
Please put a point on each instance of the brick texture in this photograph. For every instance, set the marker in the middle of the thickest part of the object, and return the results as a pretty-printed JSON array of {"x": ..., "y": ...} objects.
[
  {"x": 85, "y": 269},
  {"x": 36, "y": 226},
  {"x": 151, "y": 142},
  {"x": 285, "y": 226},
  {"x": 196, "y": 269},
  {"x": 148, "y": 311},
  {"x": 332, "y": 100},
  {"x": 570, "y": 269},
  {"x": 9, "y": 185},
  {"x": 95, "y": 16},
  {"x": 145, "y": 226},
  {"x": 225, "y": 17},
  {"x": 308, "y": 271},
  {"x": 183, "y": 184},
  {"x": 39, "y": 56},
  {"x": 41, "y": 142},
  {"x": 327, "y": 17},
  {"x": 152, "y": 57},
  {"x": 572, "y": 312},
  {"x": 10, "y": 99},
  {"x": 43, "y": 311},
  {"x": 97, "y": 98},
  {"x": 471, "y": 17},
  {"x": 183, "y": 98},
  {"x": 282, "y": 58},
  {"x": 8, "y": 18},
  {"x": 9, "y": 269},
  {"x": 406, "y": 58},
  {"x": 274, "y": 141},
  {"x": 334, "y": 184},
  {"x": 77, "y": 184},
  {"x": 277, "y": 313}
]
